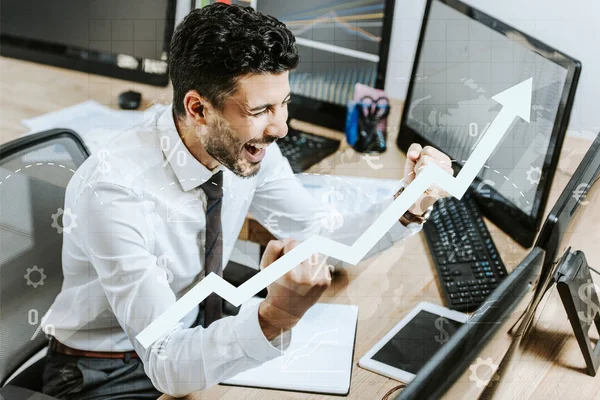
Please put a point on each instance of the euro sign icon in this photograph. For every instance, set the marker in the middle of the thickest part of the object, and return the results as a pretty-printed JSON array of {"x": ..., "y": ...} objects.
[
  {"x": 485, "y": 188},
  {"x": 369, "y": 158},
  {"x": 580, "y": 192},
  {"x": 272, "y": 224}
]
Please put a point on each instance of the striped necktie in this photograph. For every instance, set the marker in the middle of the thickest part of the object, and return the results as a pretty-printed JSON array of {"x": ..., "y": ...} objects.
[{"x": 213, "y": 253}]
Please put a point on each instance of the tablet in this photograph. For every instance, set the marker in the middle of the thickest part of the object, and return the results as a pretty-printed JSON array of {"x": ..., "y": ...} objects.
[{"x": 413, "y": 341}]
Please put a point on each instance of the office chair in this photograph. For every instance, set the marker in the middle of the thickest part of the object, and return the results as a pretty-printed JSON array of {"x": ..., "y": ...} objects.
[{"x": 34, "y": 172}]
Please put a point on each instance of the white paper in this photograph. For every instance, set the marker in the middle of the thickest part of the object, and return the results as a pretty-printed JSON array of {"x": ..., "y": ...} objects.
[
  {"x": 94, "y": 122},
  {"x": 349, "y": 194},
  {"x": 319, "y": 357}
]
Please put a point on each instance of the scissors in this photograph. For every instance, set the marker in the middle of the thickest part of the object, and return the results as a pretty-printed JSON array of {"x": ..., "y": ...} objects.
[
  {"x": 371, "y": 136},
  {"x": 375, "y": 109}
]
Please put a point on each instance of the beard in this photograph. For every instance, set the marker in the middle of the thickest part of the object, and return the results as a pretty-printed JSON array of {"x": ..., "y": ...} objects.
[{"x": 223, "y": 144}]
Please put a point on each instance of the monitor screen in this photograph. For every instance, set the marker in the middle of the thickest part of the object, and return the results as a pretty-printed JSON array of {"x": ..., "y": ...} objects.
[
  {"x": 463, "y": 63},
  {"x": 465, "y": 58},
  {"x": 338, "y": 42},
  {"x": 129, "y": 35}
]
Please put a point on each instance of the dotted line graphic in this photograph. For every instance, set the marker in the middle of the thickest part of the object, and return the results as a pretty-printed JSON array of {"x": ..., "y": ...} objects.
[
  {"x": 253, "y": 190},
  {"x": 31, "y": 165},
  {"x": 504, "y": 176},
  {"x": 402, "y": 180},
  {"x": 35, "y": 164},
  {"x": 48, "y": 164}
]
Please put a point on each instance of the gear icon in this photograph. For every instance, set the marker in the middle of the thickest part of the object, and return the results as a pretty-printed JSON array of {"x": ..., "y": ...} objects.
[
  {"x": 40, "y": 271},
  {"x": 534, "y": 174},
  {"x": 65, "y": 213},
  {"x": 481, "y": 383}
]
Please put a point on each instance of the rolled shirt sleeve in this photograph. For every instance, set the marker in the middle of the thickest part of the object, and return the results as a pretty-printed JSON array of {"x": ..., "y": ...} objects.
[
  {"x": 299, "y": 215},
  {"x": 118, "y": 240}
]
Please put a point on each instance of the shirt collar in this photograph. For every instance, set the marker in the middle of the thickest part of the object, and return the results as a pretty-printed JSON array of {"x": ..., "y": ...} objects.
[{"x": 190, "y": 172}]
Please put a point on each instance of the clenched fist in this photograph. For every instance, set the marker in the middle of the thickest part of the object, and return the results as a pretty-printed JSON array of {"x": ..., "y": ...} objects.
[
  {"x": 417, "y": 158},
  {"x": 294, "y": 293}
]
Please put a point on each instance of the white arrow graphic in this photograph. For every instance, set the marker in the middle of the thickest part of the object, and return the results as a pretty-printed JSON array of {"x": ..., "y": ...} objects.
[{"x": 516, "y": 101}]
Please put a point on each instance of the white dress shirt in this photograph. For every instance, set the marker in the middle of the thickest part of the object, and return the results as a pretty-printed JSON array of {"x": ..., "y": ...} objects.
[{"x": 139, "y": 246}]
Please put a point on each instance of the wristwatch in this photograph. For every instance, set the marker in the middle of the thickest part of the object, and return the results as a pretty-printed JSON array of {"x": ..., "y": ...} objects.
[{"x": 409, "y": 217}]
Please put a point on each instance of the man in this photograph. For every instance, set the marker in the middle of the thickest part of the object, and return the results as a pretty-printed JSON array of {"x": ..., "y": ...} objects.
[{"x": 162, "y": 205}]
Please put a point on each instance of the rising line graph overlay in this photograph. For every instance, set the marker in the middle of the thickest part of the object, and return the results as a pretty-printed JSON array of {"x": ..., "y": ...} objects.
[
  {"x": 516, "y": 102},
  {"x": 332, "y": 16}
]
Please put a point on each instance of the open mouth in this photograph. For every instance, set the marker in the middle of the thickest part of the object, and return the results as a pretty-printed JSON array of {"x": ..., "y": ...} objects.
[{"x": 255, "y": 152}]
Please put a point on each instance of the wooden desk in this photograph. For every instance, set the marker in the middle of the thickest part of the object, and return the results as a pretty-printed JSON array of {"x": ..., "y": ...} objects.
[{"x": 385, "y": 287}]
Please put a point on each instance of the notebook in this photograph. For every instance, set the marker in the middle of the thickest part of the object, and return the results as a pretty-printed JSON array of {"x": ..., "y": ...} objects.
[{"x": 319, "y": 358}]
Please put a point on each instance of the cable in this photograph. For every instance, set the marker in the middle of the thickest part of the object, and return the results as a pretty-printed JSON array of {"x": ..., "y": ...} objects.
[
  {"x": 593, "y": 269},
  {"x": 392, "y": 390}
]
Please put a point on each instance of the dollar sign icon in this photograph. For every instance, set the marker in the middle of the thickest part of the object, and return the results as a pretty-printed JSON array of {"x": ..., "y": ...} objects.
[
  {"x": 439, "y": 325},
  {"x": 334, "y": 219},
  {"x": 163, "y": 262},
  {"x": 104, "y": 164},
  {"x": 585, "y": 294}
]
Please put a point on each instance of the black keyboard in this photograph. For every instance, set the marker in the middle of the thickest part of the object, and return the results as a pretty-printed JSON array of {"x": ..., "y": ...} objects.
[
  {"x": 303, "y": 150},
  {"x": 469, "y": 266}
]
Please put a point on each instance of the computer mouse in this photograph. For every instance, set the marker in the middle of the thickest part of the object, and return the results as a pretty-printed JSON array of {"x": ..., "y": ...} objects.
[{"x": 130, "y": 100}]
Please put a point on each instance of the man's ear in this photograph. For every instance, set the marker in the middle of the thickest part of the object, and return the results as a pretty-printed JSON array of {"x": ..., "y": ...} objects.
[{"x": 197, "y": 107}]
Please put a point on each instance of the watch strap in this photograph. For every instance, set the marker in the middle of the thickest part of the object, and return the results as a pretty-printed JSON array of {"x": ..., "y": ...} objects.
[{"x": 410, "y": 218}]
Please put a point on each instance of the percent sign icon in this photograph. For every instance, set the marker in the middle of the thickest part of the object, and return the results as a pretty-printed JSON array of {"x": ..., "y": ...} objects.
[
  {"x": 314, "y": 260},
  {"x": 165, "y": 145},
  {"x": 33, "y": 319}
]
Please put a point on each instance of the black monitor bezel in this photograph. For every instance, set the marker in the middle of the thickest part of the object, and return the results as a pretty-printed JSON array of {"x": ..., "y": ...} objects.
[
  {"x": 441, "y": 372},
  {"x": 333, "y": 116},
  {"x": 538, "y": 266},
  {"x": 86, "y": 60},
  {"x": 517, "y": 224},
  {"x": 559, "y": 218}
]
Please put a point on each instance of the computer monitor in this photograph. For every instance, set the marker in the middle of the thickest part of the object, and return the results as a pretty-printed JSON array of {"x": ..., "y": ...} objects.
[
  {"x": 463, "y": 348},
  {"x": 340, "y": 43},
  {"x": 463, "y": 58},
  {"x": 126, "y": 39},
  {"x": 573, "y": 221}
]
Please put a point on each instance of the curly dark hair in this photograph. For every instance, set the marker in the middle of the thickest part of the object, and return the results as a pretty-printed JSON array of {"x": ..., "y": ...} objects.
[{"x": 214, "y": 46}]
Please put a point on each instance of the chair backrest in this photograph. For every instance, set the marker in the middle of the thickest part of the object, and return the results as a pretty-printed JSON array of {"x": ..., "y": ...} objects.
[{"x": 34, "y": 172}]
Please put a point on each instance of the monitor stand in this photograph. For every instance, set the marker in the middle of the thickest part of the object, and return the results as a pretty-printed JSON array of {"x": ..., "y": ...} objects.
[{"x": 580, "y": 299}]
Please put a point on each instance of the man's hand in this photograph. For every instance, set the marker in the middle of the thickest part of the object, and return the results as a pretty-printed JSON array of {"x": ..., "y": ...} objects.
[
  {"x": 293, "y": 294},
  {"x": 417, "y": 158}
]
